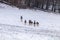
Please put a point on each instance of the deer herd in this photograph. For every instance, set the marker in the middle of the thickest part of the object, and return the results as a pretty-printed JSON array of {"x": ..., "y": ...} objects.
[{"x": 30, "y": 22}]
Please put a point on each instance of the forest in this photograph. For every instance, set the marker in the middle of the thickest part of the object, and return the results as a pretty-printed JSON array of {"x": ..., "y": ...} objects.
[{"x": 46, "y": 5}]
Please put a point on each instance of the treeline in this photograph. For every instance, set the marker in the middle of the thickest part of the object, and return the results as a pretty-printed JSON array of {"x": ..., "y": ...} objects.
[{"x": 48, "y": 5}]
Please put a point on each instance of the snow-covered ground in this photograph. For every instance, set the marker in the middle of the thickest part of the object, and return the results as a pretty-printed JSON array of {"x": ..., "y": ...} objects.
[{"x": 11, "y": 27}]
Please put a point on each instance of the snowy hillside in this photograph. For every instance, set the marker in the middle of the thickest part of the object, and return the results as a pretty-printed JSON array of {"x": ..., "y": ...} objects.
[{"x": 11, "y": 27}]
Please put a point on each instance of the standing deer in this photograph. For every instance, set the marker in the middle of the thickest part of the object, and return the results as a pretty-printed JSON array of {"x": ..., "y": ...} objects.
[
  {"x": 25, "y": 21},
  {"x": 34, "y": 23},
  {"x": 37, "y": 23},
  {"x": 30, "y": 22},
  {"x": 21, "y": 18}
]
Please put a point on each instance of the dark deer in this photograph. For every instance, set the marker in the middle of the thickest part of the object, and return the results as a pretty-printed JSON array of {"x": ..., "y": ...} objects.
[
  {"x": 21, "y": 18},
  {"x": 25, "y": 21},
  {"x": 30, "y": 22},
  {"x": 34, "y": 23},
  {"x": 37, "y": 23}
]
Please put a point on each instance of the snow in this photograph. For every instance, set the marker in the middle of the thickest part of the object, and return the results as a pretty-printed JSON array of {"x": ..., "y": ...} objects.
[{"x": 11, "y": 27}]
